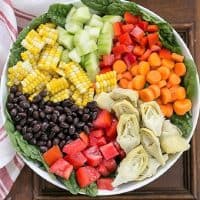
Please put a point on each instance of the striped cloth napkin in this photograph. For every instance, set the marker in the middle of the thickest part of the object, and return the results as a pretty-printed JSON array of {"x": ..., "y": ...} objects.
[{"x": 14, "y": 15}]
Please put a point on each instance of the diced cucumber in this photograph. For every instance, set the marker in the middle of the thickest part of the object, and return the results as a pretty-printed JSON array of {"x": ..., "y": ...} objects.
[
  {"x": 95, "y": 21},
  {"x": 65, "y": 38},
  {"x": 70, "y": 14},
  {"x": 82, "y": 15},
  {"x": 74, "y": 55},
  {"x": 91, "y": 65},
  {"x": 112, "y": 18},
  {"x": 104, "y": 44},
  {"x": 73, "y": 27},
  {"x": 65, "y": 56},
  {"x": 107, "y": 28},
  {"x": 93, "y": 31}
]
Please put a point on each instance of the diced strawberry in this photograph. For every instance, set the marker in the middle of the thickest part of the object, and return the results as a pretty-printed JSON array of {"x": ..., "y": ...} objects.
[
  {"x": 125, "y": 39},
  {"x": 129, "y": 59},
  {"x": 105, "y": 70},
  {"x": 155, "y": 48},
  {"x": 109, "y": 151},
  {"x": 129, "y": 48},
  {"x": 105, "y": 184},
  {"x": 103, "y": 170},
  {"x": 119, "y": 49},
  {"x": 77, "y": 159},
  {"x": 103, "y": 120},
  {"x": 61, "y": 168},
  {"x": 108, "y": 59},
  {"x": 93, "y": 140},
  {"x": 93, "y": 156},
  {"x": 97, "y": 133},
  {"x": 111, "y": 132},
  {"x": 127, "y": 27},
  {"x": 74, "y": 146},
  {"x": 137, "y": 33},
  {"x": 86, "y": 175},
  {"x": 110, "y": 165},
  {"x": 122, "y": 153},
  {"x": 101, "y": 141}
]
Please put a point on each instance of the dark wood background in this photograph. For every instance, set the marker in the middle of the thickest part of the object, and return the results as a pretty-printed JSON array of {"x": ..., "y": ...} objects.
[{"x": 182, "y": 181}]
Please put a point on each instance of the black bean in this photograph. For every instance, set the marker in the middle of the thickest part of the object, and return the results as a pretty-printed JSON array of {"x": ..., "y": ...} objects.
[
  {"x": 24, "y": 130},
  {"x": 54, "y": 118},
  {"x": 51, "y": 135},
  {"x": 44, "y": 137},
  {"x": 69, "y": 119},
  {"x": 61, "y": 135},
  {"x": 22, "y": 98},
  {"x": 85, "y": 117},
  {"x": 13, "y": 112},
  {"x": 62, "y": 118},
  {"x": 76, "y": 120},
  {"x": 59, "y": 108},
  {"x": 36, "y": 128},
  {"x": 74, "y": 114},
  {"x": 49, "y": 103},
  {"x": 28, "y": 136},
  {"x": 80, "y": 124},
  {"x": 95, "y": 109},
  {"x": 42, "y": 115},
  {"x": 10, "y": 106},
  {"x": 92, "y": 104},
  {"x": 29, "y": 129},
  {"x": 56, "y": 112},
  {"x": 18, "y": 93},
  {"x": 86, "y": 129},
  {"x": 38, "y": 134},
  {"x": 41, "y": 104},
  {"x": 75, "y": 136},
  {"x": 33, "y": 141},
  {"x": 74, "y": 108},
  {"x": 41, "y": 143},
  {"x": 43, "y": 93},
  {"x": 67, "y": 111},
  {"x": 52, "y": 124},
  {"x": 72, "y": 129},
  {"x": 17, "y": 118},
  {"x": 90, "y": 124},
  {"x": 30, "y": 111},
  {"x": 67, "y": 103},
  {"x": 24, "y": 104},
  {"x": 44, "y": 126},
  {"x": 29, "y": 120},
  {"x": 55, "y": 129},
  {"x": 15, "y": 100},
  {"x": 37, "y": 99},
  {"x": 86, "y": 110},
  {"x": 13, "y": 89},
  {"x": 48, "y": 117},
  {"x": 67, "y": 138},
  {"x": 43, "y": 149},
  {"x": 80, "y": 111},
  {"x": 94, "y": 115},
  {"x": 22, "y": 122},
  {"x": 62, "y": 143},
  {"x": 64, "y": 125},
  {"x": 34, "y": 106},
  {"x": 48, "y": 109},
  {"x": 56, "y": 141},
  {"x": 19, "y": 109},
  {"x": 66, "y": 131},
  {"x": 18, "y": 127},
  {"x": 22, "y": 115},
  {"x": 49, "y": 143}
]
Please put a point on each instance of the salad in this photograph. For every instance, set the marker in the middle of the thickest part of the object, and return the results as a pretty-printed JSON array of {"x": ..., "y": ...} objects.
[{"x": 99, "y": 100}]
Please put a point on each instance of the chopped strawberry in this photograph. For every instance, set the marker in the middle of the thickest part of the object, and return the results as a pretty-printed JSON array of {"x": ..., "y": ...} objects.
[
  {"x": 105, "y": 184},
  {"x": 101, "y": 141},
  {"x": 110, "y": 165},
  {"x": 137, "y": 33},
  {"x": 103, "y": 170},
  {"x": 108, "y": 59},
  {"x": 109, "y": 151},
  {"x": 97, "y": 133},
  {"x": 111, "y": 132}
]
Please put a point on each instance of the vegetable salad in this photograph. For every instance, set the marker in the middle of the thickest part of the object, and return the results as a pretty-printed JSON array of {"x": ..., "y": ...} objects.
[{"x": 99, "y": 100}]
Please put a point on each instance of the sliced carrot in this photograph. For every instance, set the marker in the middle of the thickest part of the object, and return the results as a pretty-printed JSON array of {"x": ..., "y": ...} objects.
[
  {"x": 177, "y": 57},
  {"x": 153, "y": 38},
  {"x": 167, "y": 110},
  {"x": 134, "y": 70},
  {"x": 174, "y": 79},
  {"x": 144, "y": 68},
  {"x": 182, "y": 106},
  {"x": 152, "y": 28},
  {"x": 177, "y": 92},
  {"x": 159, "y": 101},
  {"x": 165, "y": 53},
  {"x": 117, "y": 28},
  {"x": 146, "y": 55},
  {"x": 123, "y": 83},
  {"x": 162, "y": 83},
  {"x": 153, "y": 77},
  {"x": 84, "y": 137},
  {"x": 127, "y": 76},
  {"x": 138, "y": 50},
  {"x": 146, "y": 95},
  {"x": 165, "y": 72},
  {"x": 168, "y": 63},
  {"x": 165, "y": 95},
  {"x": 130, "y": 85},
  {"x": 180, "y": 69},
  {"x": 154, "y": 60},
  {"x": 155, "y": 89},
  {"x": 138, "y": 82},
  {"x": 119, "y": 76},
  {"x": 155, "y": 48},
  {"x": 119, "y": 66}
]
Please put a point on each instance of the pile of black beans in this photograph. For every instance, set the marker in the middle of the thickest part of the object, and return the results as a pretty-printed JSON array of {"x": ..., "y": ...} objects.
[{"x": 46, "y": 123}]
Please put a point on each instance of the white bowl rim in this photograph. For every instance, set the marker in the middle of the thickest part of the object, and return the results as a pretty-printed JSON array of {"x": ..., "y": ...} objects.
[{"x": 132, "y": 185}]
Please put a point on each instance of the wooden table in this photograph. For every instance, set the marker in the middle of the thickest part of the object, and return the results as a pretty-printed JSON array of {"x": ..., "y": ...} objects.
[{"x": 182, "y": 181}]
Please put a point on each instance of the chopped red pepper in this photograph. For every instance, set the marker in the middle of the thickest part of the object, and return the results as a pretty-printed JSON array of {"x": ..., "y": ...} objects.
[{"x": 125, "y": 39}]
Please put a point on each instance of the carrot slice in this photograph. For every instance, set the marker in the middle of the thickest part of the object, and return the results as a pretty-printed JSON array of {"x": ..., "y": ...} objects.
[
  {"x": 127, "y": 75},
  {"x": 162, "y": 83},
  {"x": 144, "y": 68},
  {"x": 165, "y": 53},
  {"x": 153, "y": 77},
  {"x": 167, "y": 110},
  {"x": 134, "y": 70},
  {"x": 138, "y": 82},
  {"x": 146, "y": 55},
  {"x": 155, "y": 89},
  {"x": 123, "y": 83},
  {"x": 177, "y": 57},
  {"x": 174, "y": 79},
  {"x": 180, "y": 69},
  {"x": 117, "y": 28},
  {"x": 119, "y": 66},
  {"x": 182, "y": 106},
  {"x": 138, "y": 50},
  {"x": 168, "y": 63},
  {"x": 154, "y": 60},
  {"x": 165, "y": 95},
  {"x": 165, "y": 72},
  {"x": 146, "y": 95},
  {"x": 178, "y": 93}
]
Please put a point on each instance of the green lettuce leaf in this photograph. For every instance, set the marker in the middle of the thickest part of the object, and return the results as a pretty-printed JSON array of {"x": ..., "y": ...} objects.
[{"x": 91, "y": 190}]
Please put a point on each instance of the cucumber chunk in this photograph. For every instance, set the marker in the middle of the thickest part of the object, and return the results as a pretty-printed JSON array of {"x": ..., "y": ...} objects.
[
  {"x": 74, "y": 55},
  {"x": 82, "y": 15},
  {"x": 65, "y": 56},
  {"x": 73, "y": 27},
  {"x": 70, "y": 14},
  {"x": 91, "y": 65},
  {"x": 112, "y": 18},
  {"x": 95, "y": 21},
  {"x": 93, "y": 31},
  {"x": 104, "y": 44},
  {"x": 65, "y": 38},
  {"x": 107, "y": 29}
]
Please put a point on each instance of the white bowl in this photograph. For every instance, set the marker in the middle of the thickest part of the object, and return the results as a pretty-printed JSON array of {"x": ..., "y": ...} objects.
[{"x": 132, "y": 185}]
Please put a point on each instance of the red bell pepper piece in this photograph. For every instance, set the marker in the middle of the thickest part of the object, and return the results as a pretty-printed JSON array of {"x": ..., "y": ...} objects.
[
  {"x": 137, "y": 33},
  {"x": 122, "y": 48},
  {"x": 127, "y": 27},
  {"x": 130, "y": 19},
  {"x": 152, "y": 28},
  {"x": 125, "y": 39},
  {"x": 108, "y": 59},
  {"x": 153, "y": 38},
  {"x": 165, "y": 53},
  {"x": 143, "y": 25},
  {"x": 145, "y": 55},
  {"x": 117, "y": 28},
  {"x": 155, "y": 48},
  {"x": 129, "y": 59}
]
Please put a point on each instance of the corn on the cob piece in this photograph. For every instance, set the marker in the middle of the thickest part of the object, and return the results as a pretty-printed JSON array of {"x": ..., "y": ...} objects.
[
  {"x": 87, "y": 97},
  {"x": 18, "y": 72},
  {"x": 48, "y": 24},
  {"x": 106, "y": 82},
  {"x": 49, "y": 35},
  {"x": 77, "y": 76},
  {"x": 50, "y": 57},
  {"x": 34, "y": 82},
  {"x": 77, "y": 97},
  {"x": 28, "y": 56},
  {"x": 60, "y": 96},
  {"x": 57, "y": 85},
  {"x": 33, "y": 42}
]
